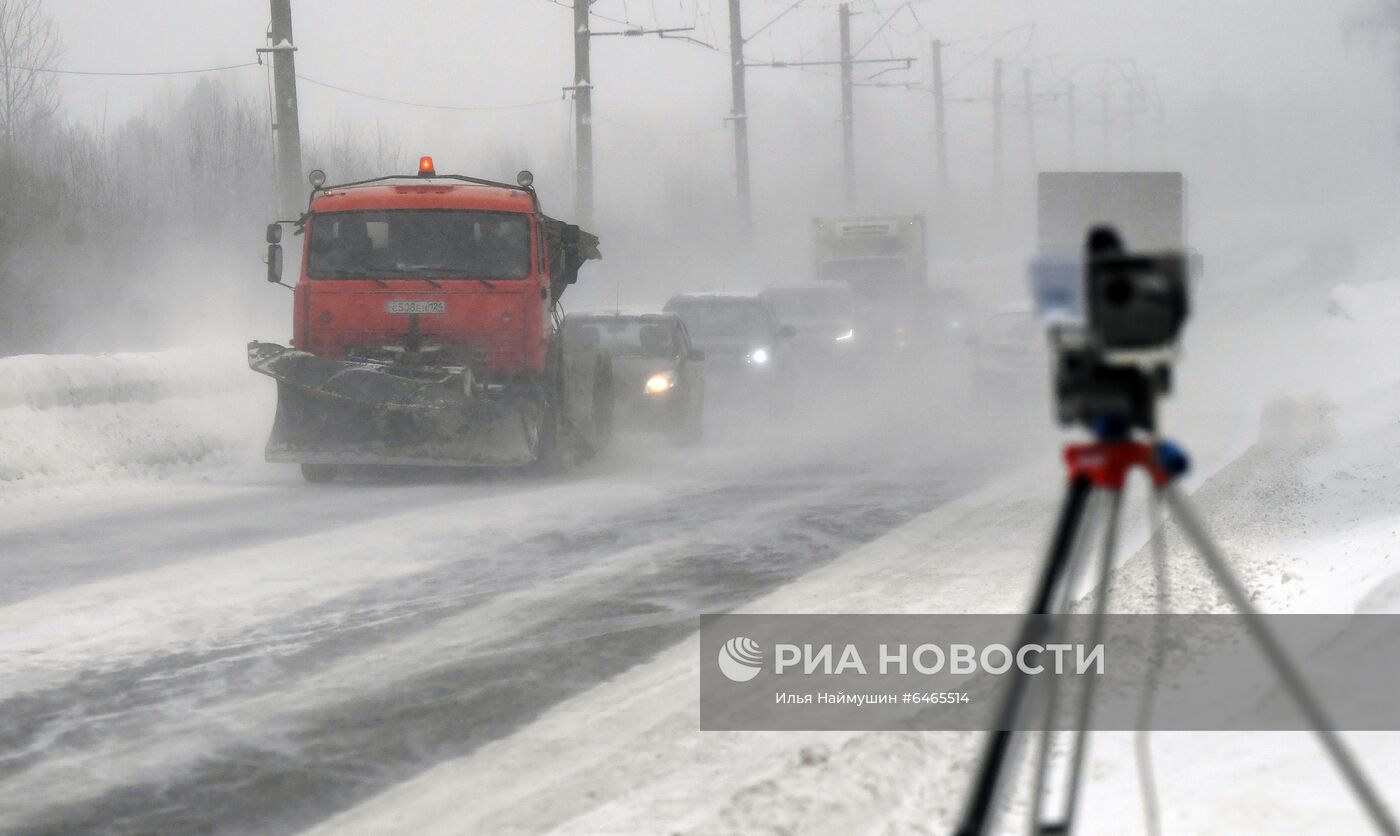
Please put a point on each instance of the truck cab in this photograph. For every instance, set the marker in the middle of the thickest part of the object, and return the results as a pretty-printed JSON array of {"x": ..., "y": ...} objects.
[
  {"x": 448, "y": 274},
  {"x": 425, "y": 329}
]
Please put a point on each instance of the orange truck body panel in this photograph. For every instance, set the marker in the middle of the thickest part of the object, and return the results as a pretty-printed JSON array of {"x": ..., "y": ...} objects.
[{"x": 505, "y": 324}]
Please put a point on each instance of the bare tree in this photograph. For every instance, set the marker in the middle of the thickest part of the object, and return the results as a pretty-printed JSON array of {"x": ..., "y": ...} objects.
[{"x": 29, "y": 47}]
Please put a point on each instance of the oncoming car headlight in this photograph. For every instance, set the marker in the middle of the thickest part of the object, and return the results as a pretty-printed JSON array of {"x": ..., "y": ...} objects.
[
  {"x": 847, "y": 337},
  {"x": 660, "y": 383},
  {"x": 759, "y": 356}
]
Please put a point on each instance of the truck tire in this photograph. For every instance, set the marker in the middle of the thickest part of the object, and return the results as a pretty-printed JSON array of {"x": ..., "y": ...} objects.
[
  {"x": 549, "y": 450},
  {"x": 318, "y": 473}
]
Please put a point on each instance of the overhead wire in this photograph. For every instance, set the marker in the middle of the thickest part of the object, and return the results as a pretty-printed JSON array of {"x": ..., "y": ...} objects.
[
  {"x": 428, "y": 105},
  {"x": 127, "y": 74}
]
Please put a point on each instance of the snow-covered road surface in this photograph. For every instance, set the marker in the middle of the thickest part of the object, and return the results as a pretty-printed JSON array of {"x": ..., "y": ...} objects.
[{"x": 255, "y": 654}]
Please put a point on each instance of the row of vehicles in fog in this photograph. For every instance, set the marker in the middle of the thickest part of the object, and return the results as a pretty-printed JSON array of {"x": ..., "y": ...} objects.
[
  {"x": 427, "y": 328},
  {"x": 746, "y": 347}
]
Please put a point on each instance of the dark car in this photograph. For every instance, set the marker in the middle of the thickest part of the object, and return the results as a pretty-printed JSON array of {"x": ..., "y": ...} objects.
[
  {"x": 823, "y": 316},
  {"x": 657, "y": 380},
  {"x": 746, "y": 355}
]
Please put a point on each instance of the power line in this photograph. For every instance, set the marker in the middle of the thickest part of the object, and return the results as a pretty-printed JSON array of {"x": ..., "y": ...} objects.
[
  {"x": 774, "y": 20},
  {"x": 428, "y": 105},
  {"x": 622, "y": 21},
  {"x": 112, "y": 73}
]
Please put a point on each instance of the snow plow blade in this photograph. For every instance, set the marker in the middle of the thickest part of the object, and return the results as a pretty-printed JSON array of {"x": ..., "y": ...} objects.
[{"x": 344, "y": 412}]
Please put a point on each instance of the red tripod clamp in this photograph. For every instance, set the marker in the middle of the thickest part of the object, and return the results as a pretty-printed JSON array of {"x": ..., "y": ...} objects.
[{"x": 1105, "y": 464}]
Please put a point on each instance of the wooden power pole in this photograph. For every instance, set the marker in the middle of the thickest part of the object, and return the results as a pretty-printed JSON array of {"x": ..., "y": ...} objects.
[
  {"x": 739, "y": 115},
  {"x": 848, "y": 118},
  {"x": 291, "y": 193},
  {"x": 583, "y": 115}
]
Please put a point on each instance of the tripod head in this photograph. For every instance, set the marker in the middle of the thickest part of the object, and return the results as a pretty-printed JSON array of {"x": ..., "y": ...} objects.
[{"x": 1114, "y": 318}]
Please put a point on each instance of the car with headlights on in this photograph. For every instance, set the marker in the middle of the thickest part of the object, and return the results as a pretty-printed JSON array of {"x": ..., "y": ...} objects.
[
  {"x": 658, "y": 381},
  {"x": 747, "y": 356},
  {"x": 823, "y": 315}
]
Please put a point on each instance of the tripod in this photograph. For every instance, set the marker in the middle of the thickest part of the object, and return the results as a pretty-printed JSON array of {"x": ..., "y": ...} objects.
[{"x": 1098, "y": 471}]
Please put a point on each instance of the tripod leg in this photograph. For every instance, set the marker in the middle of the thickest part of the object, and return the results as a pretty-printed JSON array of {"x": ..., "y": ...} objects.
[
  {"x": 1051, "y": 687},
  {"x": 1142, "y": 746},
  {"x": 976, "y": 817},
  {"x": 1288, "y": 674},
  {"x": 1086, "y": 697}
]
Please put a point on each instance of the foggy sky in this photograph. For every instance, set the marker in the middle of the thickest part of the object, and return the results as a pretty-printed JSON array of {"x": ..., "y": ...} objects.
[
  {"x": 490, "y": 52},
  {"x": 1262, "y": 97}
]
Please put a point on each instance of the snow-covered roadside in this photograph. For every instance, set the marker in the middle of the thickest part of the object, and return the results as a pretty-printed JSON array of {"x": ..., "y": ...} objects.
[
  {"x": 626, "y": 757},
  {"x": 72, "y": 419},
  {"x": 1307, "y": 515}
]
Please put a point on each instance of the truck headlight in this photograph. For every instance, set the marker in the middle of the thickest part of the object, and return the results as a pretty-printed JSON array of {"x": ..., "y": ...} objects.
[
  {"x": 847, "y": 337},
  {"x": 660, "y": 383},
  {"x": 759, "y": 356}
]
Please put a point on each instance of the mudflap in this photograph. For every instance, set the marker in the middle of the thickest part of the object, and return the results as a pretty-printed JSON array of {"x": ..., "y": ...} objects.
[{"x": 341, "y": 412}]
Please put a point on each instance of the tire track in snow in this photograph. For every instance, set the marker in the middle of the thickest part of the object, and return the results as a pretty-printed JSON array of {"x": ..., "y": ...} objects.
[{"x": 306, "y": 763}]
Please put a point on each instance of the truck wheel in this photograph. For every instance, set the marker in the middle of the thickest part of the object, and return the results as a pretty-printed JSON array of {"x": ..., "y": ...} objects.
[
  {"x": 550, "y": 453},
  {"x": 318, "y": 473},
  {"x": 549, "y": 450}
]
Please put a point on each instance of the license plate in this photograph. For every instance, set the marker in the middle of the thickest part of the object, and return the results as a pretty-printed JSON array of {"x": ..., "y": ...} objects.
[{"x": 414, "y": 306}]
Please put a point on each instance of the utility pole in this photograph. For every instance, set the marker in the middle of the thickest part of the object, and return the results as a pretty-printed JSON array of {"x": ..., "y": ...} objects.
[
  {"x": 583, "y": 115},
  {"x": 1073, "y": 128},
  {"x": 847, "y": 64},
  {"x": 996, "y": 124},
  {"x": 292, "y": 195},
  {"x": 740, "y": 117},
  {"x": 940, "y": 135},
  {"x": 1030, "y": 113},
  {"x": 848, "y": 124}
]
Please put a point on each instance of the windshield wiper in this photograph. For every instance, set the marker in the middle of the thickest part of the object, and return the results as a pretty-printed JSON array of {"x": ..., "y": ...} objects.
[
  {"x": 416, "y": 271},
  {"x": 347, "y": 274}
]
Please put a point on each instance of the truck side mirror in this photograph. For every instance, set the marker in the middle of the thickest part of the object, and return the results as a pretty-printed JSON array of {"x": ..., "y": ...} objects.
[
  {"x": 787, "y": 332},
  {"x": 274, "y": 233},
  {"x": 274, "y": 263}
]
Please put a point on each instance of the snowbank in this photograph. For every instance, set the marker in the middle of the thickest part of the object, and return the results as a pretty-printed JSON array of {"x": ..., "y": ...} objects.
[{"x": 74, "y": 418}]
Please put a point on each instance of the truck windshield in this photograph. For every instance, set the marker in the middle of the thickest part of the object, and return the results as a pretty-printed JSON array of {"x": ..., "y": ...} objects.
[{"x": 428, "y": 243}]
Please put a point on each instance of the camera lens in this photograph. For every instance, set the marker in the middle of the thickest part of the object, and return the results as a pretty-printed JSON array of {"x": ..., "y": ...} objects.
[{"x": 1118, "y": 290}]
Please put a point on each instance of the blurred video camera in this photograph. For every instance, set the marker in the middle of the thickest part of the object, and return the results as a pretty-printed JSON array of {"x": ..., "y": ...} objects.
[{"x": 1113, "y": 318}]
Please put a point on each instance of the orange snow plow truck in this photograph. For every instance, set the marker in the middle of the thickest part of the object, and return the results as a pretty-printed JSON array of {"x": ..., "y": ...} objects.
[{"x": 426, "y": 330}]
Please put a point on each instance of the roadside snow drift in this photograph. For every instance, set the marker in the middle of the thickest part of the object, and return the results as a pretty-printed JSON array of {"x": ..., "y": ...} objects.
[{"x": 75, "y": 418}]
